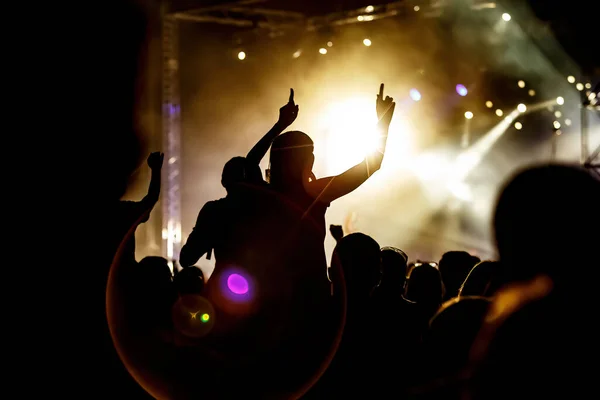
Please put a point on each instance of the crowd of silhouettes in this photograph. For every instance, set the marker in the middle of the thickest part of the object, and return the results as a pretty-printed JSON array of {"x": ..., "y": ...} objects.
[{"x": 277, "y": 320}]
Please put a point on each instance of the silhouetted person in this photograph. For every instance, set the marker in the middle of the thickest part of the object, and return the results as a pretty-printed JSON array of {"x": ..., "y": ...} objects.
[
  {"x": 424, "y": 288},
  {"x": 454, "y": 267},
  {"x": 337, "y": 232},
  {"x": 393, "y": 268},
  {"x": 189, "y": 281},
  {"x": 541, "y": 333},
  {"x": 208, "y": 230},
  {"x": 483, "y": 280}
]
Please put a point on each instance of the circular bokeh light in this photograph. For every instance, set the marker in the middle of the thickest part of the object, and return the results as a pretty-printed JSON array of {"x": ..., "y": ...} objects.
[
  {"x": 461, "y": 90},
  {"x": 237, "y": 284}
]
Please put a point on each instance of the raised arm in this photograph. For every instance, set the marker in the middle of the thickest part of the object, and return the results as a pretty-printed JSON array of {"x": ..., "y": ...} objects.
[
  {"x": 155, "y": 162},
  {"x": 287, "y": 115},
  {"x": 332, "y": 188}
]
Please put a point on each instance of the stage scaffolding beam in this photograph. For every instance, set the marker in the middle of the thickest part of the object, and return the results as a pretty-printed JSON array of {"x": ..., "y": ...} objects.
[{"x": 171, "y": 110}]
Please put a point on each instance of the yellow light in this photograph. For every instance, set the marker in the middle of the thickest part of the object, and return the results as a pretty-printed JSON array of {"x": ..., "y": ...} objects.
[
  {"x": 506, "y": 17},
  {"x": 518, "y": 126},
  {"x": 521, "y": 84},
  {"x": 557, "y": 114},
  {"x": 297, "y": 53},
  {"x": 329, "y": 44},
  {"x": 416, "y": 8},
  {"x": 360, "y": 18},
  {"x": 522, "y": 108},
  {"x": 531, "y": 92},
  {"x": 560, "y": 100},
  {"x": 205, "y": 317},
  {"x": 592, "y": 96},
  {"x": 499, "y": 112},
  {"x": 489, "y": 104},
  {"x": 369, "y": 9},
  {"x": 241, "y": 55},
  {"x": 579, "y": 86},
  {"x": 556, "y": 125},
  {"x": 323, "y": 50},
  {"x": 367, "y": 42},
  {"x": 588, "y": 85},
  {"x": 468, "y": 115},
  {"x": 571, "y": 79},
  {"x": 567, "y": 122}
]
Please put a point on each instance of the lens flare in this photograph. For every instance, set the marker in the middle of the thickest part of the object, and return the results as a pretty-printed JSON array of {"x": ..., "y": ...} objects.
[
  {"x": 461, "y": 90},
  {"x": 415, "y": 94},
  {"x": 237, "y": 284}
]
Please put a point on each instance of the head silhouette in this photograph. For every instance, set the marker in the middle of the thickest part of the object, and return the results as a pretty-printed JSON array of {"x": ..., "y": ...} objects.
[
  {"x": 239, "y": 170},
  {"x": 393, "y": 268},
  {"x": 359, "y": 257},
  {"x": 540, "y": 223},
  {"x": 291, "y": 159},
  {"x": 189, "y": 280},
  {"x": 454, "y": 267},
  {"x": 424, "y": 285},
  {"x": 483, "y": 280}
]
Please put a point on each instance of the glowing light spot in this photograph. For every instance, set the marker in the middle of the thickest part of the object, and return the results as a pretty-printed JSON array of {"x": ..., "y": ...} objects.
[
  {"x": 571, "y": 79},
  {"x": 237, "y": 284},
  {"x": 588, "y": 85},
  {"x": 489, "y": 104},
  {"x": 567, "y": 122},
  {"x": 360, "y": 18},
  {"x": 506, "y": 17},
  {"x": 560, "y": 100},
  {"x": 367, "y": 42},
  {"x": 329, "y": 44},
  {"x": 531, "y": 92},
  {"x": 297, "y": 53},
  {"x": 416, "y": 8},
  {"x": 461, "y": 90},
  {"x": 241, "y": 55},
  {"x": 518, "y": 126},
  {"x": 521, "y": 84},
  {"x": 556, "y": 125},
  {"x": 522, "y": 108},
  {"x": 579, "y": 86},
  {"x": 205, "y": 317},
  {"x": 369, "y": 9},
  {"x": 323, "y": 50},
  {"x": 557, "y": 114},
  {"x": 468, "y": 115},
  {"x": 415, "y": 94},
  {"x": 499, "y": 112}
]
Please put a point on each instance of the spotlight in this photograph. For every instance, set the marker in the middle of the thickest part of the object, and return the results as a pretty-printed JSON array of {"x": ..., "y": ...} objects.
[
  {"x": 367, "y": 42},
  {"x": 522, "y": 108},
  {"x": 297, "y": 53},
  {"x": 416, "y": 8},
  {"x": 323, "y": 50},
  {"x": 518, "y": 126},
  {"x": 415, "y": 94},
  {"x": 241, "y": 55},
  {"x": 556, "y": 125},
  {"x": 369, "y": 9},
  {"x": 557, "y": 114},
  {"x": 571, "y": 79},
  {"x": 521, "y": 84},
  {"x": 329, "y": 44},
  {"x": 588, "y": 85},
  {"x": 360, "y": 18},
  {"x": 461, "y": 90},
  {"x": 567, "y": 122},
  {"x": 499, "y": 112},
  {"x": 531, "y": 92},
  {"x": 592, "y": 96},
  {"x": 506, "y": 17},
  {"x": 560, "y": 100},
  {"x": 579, "y": 86},
  {"x": 489, "y": 104},
  {"x": 469, "y": 115}
]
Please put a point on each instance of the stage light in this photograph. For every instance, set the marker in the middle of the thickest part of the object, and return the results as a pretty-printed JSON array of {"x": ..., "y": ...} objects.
[
  {"x": 506, "y": 17},
  {"x": 522, "y": 108},
  {"x": 360, "y": 18},
  {"x": 558, "y": 132},
  {"x": 329, "y": 44},
  {"x": 557, "y": 114},
  {"x": 297, "y": 53},
  {"x": 531, "y": 92},
  {"x": 592, "y": 96},
  {"x": 579, "y": 86},
  {"x": 369, "y": 9},
  {"x": 367, "y": 42},
  {"x": 571, "y": 79},
  {"x": 521, "y": 84},
  {"x": 499, "y": 112},
  {"x": 518, "y": 126},
  {"x": 556, "y": 125},
  {"x": 461, "y": 90},
  {"x": 560, "y": 100},
  {"x": 369, "y": 18},
  {"x": 489, "y": 104},
  {"x": 567, "y": 122},
  {"x": 416, "y": 8},
  {"x": 588, "y": 85},
  {"x": 415, "y": 94},
  {"x": 469, "y": 115},
  {"x": 241, "y": 55},
  {"x": 323, "y": 50},
  {"x": 237, "y": 284}
]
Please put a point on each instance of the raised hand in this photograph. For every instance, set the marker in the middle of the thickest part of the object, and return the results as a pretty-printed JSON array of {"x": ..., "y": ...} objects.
[
  {"x": 155, "y": 160},
  {"x": 385, "y": 106},
  {"x": 289, "y": 112}
]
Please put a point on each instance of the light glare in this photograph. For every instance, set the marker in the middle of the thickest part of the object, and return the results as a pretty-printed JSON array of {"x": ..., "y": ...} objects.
[
  {"x": 518, "y": 126},
  {"x": 323, "y": 50},
  {"x": 506, "y": 17},
  {"x": 522, "y": 108},
  {"x": 367, "y": 42},
  {"x": 560, "y": 100},
  {"x": 468, "y": 115},
  {"x": 571, "y": 79},
  {"x": 241, "y": 55}
]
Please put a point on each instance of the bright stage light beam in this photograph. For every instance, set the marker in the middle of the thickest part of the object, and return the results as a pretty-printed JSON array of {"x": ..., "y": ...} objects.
[
  {"x": 241, "y": 55},
  {"x": 415, "y": 94},
  {"x": 461, "y": 90}
]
